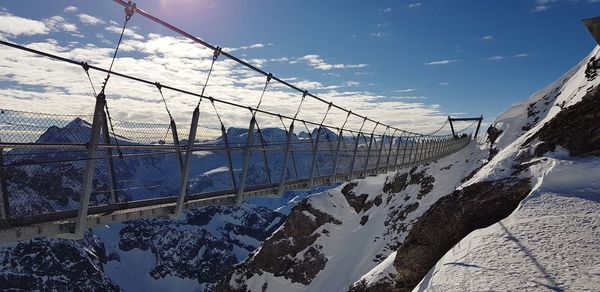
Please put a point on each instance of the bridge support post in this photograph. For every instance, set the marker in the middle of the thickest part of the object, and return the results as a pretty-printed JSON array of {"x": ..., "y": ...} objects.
[
  {"x": 438, "y": 150},
  {"x": 426, "y": 146},
  {"x": 395, "y": 166},
  {"x": 286, "y": 154},
  {"x": 422, "y": 151},
  {"x": 114, "y": 197},
  {"x": 313, "y": 164},
  {"x": 229, "y": 161},
  {"x": 406, "y": 140},
  {"x": 366, "y": 170},
  {"x": 176, "y": 143},
  {"x": 478, "y": 125},
  {"x": 380, "y": 151},
  {"x": 242, "y": 183},
  {"x": 90, "y": 165},
  {"x": 431, "y": 144},
  {"x": 451, "y": 126},
  {"x": 337, "y": 155},
  {"x": 389, "y": 154},
  {"x": 187, "y": 164},
  {"x": 4, "y": 203},
  {"x": 354, "y": 154},
  {"x": 416, "y": 150}
]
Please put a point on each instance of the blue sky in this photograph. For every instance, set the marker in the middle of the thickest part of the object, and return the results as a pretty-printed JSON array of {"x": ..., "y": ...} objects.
[{"x": 430, "y": 57}]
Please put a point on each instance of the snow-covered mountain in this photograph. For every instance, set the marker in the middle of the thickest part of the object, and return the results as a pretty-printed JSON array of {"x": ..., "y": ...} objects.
[
  {"x": 518, "y": 211},
  {"x": 534, "y": 180}
]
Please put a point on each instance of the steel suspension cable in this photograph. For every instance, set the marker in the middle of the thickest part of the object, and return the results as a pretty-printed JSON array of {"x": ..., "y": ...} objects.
[
  {"x": 145, "y": 81},
  {"x": 216, "y": 53},
  {"x": 469, "y": 126},
  {"x": 300, "y": 105},
  {"x": 263, "y": 91},
  {"x": 86, "y": 68},
  {"x": 235, "y": 59},
  {"x": 129, "y": 10}
]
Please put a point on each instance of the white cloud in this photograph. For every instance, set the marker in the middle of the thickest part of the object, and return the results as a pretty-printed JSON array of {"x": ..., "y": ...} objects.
[
  {"x": 543, "y": 5},
  {"x": 254, "y": 46},
  {"x": 443, "y": 83},
  {"x": 416, "y": 5},
  {"x": 379, "y": 34},
  {"x": 487, "y": 38},
  {"x": 128, "y": 32},
  {"x": 384, "y": 24},
  {"x": 410, "y": 97},
  {"x": 495, "y": 58},
  {"x": 441, "y": 62},
  {"x": 58, "y": 23},
  {"x": 389, "y": 9},
  {"x": 361, "y": 73},
  {"x": 14, "y": 25},
  {"x": 405, "y": 90},
  {"x": 317, "y": 62},
  {"x": 181, "y": 63},
  {"x": 523, "y": 54},
  {"x": 89, "y": 19},
  {"x": 70, "y": 9}
]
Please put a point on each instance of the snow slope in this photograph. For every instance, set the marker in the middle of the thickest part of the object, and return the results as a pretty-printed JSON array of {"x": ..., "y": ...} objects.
[
  {"x": 552, "y": 240},
  {"x": 549, "y": 243},
  {"x": 360, "y": 235}
]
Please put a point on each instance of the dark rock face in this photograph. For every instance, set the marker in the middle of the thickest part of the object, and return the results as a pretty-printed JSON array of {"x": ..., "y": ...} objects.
[
  {"x": 192, "y": 254},
  {"x": 359, "y": 203},
  {"x": 449, "y": 220},
  {"x": 401, "y": 181},
  {"x": 279, "y": 247},
  {"x": 278, "y": 254},
  {"x": 381, "y": 286},
  {"x": 184, "y": 249},
  {"x": 573, "y": 129},
  {"x": 493, "y": 134},
  {"x": 55, "y": 265}
]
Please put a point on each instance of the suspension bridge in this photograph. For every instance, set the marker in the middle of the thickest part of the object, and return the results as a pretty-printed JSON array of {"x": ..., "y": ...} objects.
[{"x": 61, "y": 174}]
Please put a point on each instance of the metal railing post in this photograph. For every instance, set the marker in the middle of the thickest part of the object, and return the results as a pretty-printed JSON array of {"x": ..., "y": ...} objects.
[
  {"x": 380, "y": 151},
  {"x": 428, "y": 148},
  {"x": 352, "y": 164},
  {"x": 176, "y": 143},
  {"x": 313, "y": 164},
  {"x": 264, "y": 151},
  {"x": 406, "y": 139},
  {"x": 4, "y": 203},
  {"x": 229, "y": 161},
  {"x": 242, "y": 183},
  {"x": 365, "y": 172},
  {"x": 285, "y": 158},
  {"x": 389, "y": 156},
  {"x": 416, "y": 150},
  {"x": 478, "y": 125},
  {"x": 90, "y": 166},
  {"x": 337, "y": 155},
  {"x": 187, "y": 164},
  {"x": 114, "y": 197},
  {"x": 398, "y": 152}
]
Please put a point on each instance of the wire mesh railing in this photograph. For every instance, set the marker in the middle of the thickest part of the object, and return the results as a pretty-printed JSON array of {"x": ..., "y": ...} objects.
[{"x": 44, "y": 157}]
